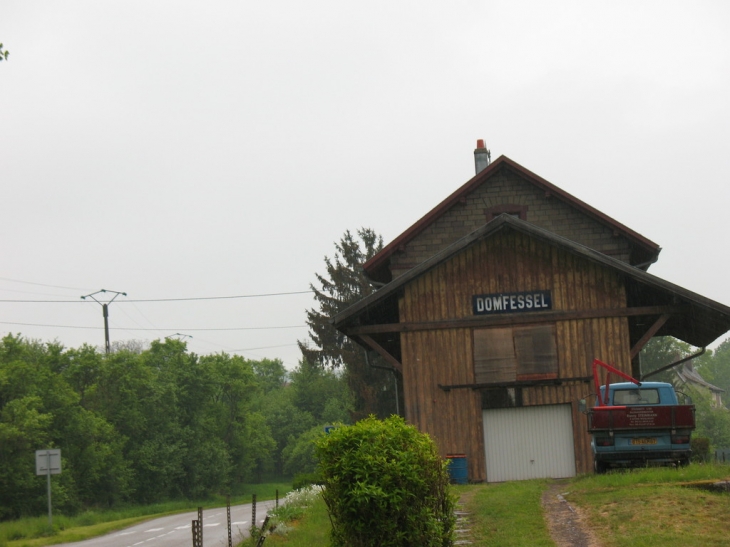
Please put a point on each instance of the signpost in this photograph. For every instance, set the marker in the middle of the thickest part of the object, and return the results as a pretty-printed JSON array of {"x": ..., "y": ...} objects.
[{"x": 48, "y": 462}]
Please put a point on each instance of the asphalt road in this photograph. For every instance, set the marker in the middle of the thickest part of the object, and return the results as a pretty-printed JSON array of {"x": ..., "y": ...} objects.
[{"x": 175, "y": 530}]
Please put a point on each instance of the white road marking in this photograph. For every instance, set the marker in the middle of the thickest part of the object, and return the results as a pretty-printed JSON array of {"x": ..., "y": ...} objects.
[
  {"x": 154, "y": 530},
  {"x": 139, "y": 543},
  {"x": 239, "y": 522},
  {"x": 183, "y": 527},
  {"x": 124, "y": 533},
  {"x": 211, "y": 524}
]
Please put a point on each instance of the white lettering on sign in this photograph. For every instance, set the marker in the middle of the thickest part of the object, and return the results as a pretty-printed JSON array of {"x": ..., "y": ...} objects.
[
  {"x": 483, "y": 304},
  {"x": 641, "y": 417}
]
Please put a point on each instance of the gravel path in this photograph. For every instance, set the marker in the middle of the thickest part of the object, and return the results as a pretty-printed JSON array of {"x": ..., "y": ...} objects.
[{"x": 566, "y": 523}]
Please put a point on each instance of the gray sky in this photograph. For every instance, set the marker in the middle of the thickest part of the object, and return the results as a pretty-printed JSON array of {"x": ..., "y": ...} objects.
[{"x": 195, "y": 149}]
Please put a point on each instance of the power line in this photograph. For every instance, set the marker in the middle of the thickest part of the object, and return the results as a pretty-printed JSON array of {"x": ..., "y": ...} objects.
[
  {"x": 155, "y": 329},
  {"x": 265, "y": 347},
  {"x": 41, "y": 284},
  {"x": 163, "y": 299}
]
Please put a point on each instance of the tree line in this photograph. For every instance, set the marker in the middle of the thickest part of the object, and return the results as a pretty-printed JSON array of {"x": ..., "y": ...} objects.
[{"x": 151, "y": 425}]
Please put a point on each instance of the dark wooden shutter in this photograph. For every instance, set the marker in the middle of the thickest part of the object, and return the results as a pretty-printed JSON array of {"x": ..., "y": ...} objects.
[
  {"x": 537, "y": 355},
  {"x": 494, "y": 356}
]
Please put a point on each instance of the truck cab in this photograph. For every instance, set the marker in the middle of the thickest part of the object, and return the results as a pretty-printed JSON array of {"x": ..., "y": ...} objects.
[{"x": 638, "y": 423}]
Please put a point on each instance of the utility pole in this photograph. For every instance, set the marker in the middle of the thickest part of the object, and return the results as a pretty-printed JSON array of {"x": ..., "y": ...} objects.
[
  {"x": 180, "y": 334},
  {"x": 105, "y": 312}
]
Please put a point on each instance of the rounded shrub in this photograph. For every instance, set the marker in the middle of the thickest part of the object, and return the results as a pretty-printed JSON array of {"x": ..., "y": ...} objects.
[{"x": 385, "y": 485}]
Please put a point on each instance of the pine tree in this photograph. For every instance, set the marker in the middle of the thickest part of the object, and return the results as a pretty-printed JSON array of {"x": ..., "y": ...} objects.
[{"x": 343, "y": 284}]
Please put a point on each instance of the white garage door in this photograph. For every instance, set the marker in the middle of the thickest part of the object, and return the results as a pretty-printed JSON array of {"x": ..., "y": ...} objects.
[{"x": 529, "y": 443}]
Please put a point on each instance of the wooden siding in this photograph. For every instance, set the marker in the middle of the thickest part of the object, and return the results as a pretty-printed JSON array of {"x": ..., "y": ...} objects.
[{"x": 507, "y": 262}]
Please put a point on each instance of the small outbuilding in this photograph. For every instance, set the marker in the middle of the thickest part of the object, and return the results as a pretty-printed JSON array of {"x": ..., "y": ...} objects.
[{"x": 494, "y": 305}]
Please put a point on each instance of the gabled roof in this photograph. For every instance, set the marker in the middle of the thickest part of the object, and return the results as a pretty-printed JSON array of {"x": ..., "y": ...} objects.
[
  {"x": 688, "y": 374},
  {"x": 375, "y": 267},
  {"x": 703, "y": 321}
]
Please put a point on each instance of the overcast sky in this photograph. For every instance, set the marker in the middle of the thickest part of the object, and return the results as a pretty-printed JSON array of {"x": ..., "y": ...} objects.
[{"x": 198, "y": 149}]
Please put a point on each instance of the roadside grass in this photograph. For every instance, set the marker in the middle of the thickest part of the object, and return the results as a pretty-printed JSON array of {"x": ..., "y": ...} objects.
[
  {"x": 312, "y": 528},
  {"x": 655, "y": 507},
  {"x": 35, "y": 532}
]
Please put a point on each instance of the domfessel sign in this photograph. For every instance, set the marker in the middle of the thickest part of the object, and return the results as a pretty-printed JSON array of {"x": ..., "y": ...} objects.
[{"x": 515, "y": 302}]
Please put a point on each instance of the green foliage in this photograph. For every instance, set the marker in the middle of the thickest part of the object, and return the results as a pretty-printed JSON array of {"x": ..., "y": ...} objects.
[
  {"x": 659, "y": 352},
  {"x": 385, "y": 485},
  {"x": 312, "y": 398},
  {"x": 344, "y": 284},
  {"x": 3, "y": 53},
  {"x": 306, "y": 479},
  {"x": 322, "y": 393},
  {"x": 700, "y": 449},
  {"x": 270, "y": 373},
  {"x": 712, "y": 422},
  {"x": 147, "y": 425},
  {"x": 134, "y": 426},
  {"x": 299, "y": 456},
  {"x": 286, "y": 422}
]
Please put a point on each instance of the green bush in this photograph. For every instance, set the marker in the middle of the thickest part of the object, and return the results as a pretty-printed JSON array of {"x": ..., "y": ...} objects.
[
  {"x": 305, "y": 479},
  {"x": 700, "y": 449},
  {"x": 385, "y": 486}
]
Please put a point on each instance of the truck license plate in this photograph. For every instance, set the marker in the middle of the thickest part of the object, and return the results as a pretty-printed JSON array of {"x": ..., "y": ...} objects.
[{"x": 644, "y": 440}]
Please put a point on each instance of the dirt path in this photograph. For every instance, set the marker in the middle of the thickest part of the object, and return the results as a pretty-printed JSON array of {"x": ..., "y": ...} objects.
[{"x": 565, "y": 522}]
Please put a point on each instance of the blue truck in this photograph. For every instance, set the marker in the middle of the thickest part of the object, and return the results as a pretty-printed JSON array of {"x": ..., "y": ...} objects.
[{"x": 637, "y": 423}]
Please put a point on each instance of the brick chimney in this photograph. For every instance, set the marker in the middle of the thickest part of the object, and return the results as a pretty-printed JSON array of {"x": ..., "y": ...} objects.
[{"x": 482, "y": 156}]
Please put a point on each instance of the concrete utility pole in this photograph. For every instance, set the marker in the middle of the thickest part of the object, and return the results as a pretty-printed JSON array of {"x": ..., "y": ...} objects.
[{"x": 105, "y": 312}]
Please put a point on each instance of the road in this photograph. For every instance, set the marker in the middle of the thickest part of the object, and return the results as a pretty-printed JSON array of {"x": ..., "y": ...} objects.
[{"x": 175, "y": 530}]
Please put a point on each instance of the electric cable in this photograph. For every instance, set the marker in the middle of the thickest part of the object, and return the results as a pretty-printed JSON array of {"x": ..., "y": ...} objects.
[{"x": 130, "y": 300}]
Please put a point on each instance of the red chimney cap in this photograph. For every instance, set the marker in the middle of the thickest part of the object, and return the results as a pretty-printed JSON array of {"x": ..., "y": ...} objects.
[{"x": 480, "y": 143}]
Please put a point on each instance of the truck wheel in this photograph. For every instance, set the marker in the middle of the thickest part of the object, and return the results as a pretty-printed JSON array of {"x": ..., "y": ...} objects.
[
  {"x": 684, "y": 462},
  {"x": 600, "y": 467}
]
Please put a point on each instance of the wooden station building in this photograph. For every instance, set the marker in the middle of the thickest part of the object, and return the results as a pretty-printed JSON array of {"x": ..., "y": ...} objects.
[{"x": 493, "y": 307}]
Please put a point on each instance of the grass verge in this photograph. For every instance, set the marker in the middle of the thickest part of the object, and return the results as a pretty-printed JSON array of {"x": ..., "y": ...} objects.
[
  {"x": 312, "y": 528},
  {"x": 35, "y": 532}
]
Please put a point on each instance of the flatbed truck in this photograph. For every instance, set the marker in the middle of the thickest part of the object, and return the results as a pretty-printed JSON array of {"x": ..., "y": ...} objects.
[{"x": 637, "y": 423}]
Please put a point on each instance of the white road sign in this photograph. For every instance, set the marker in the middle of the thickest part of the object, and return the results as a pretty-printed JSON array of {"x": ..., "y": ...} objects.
[{"x": 48, "y": 458}]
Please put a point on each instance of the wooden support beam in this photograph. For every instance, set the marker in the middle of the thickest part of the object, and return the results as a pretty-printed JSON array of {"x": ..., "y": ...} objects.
[
  {"x": 659, "y": 323},
  {"x": 392, "y": 361},
  {"x": 483, "y": 321}
]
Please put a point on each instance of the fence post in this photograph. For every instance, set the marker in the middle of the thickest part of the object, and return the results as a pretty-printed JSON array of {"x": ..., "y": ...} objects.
[
  {"x": 262, "y": 537},
  {"x": 197, "y": 533},
  {"x": 277, "y": 498},
  {"x": 200, "y": 526},
  {"x": 228, "y": 515},
  {"x": 253, "y": 513}
]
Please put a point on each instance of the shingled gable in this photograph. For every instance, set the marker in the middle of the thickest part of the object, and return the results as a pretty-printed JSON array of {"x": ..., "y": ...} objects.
[
  {"x": 643, "y": 251},
  {"x": 695, "y": 319}
]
